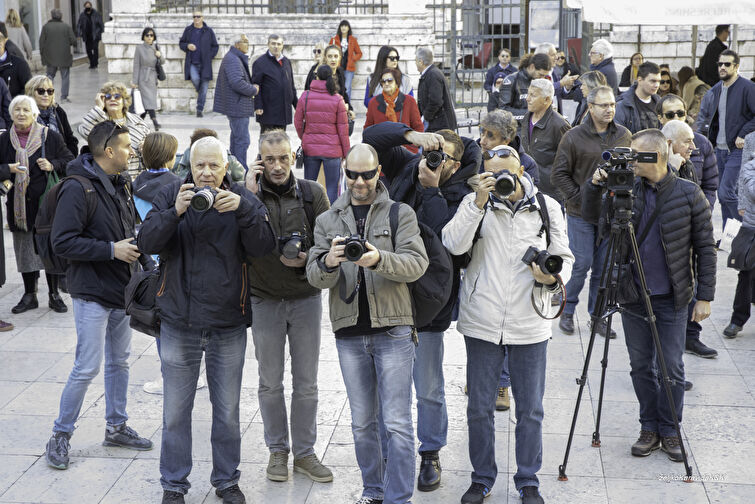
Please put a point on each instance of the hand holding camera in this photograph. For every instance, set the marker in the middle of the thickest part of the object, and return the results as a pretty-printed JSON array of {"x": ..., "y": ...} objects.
[
  {"x": 183, "y": 199},
  {"x": 428, "y": 141},
  {"x": 427, "y": 176},
  {"x": 352, "y": 248},
  {"x": 299, "y": 262},
  {"x": 484, "y": 187},
  {"x": 226, "y": 201},
  {"x": 126, "y": 250},
  {"x": 599, "y": 176},
  {"x": 335, "y": 256}
]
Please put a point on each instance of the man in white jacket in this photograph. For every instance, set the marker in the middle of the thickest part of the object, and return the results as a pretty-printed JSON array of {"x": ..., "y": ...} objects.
[{"x": 496, "y": 316}]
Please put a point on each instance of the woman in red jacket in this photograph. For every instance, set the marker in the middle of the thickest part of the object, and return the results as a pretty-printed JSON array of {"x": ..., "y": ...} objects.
[
  {"x": 323, "y": 127},
  {"x": 393, "y": 105},
  {"x": 351, "y": 52}
]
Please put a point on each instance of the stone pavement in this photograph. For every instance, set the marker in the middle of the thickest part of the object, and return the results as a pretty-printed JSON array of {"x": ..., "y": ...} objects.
[{"x": 35, "y": 359}]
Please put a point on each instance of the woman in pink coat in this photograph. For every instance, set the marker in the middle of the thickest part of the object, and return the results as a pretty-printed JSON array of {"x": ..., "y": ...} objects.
[{"x": 323, "y": 127}]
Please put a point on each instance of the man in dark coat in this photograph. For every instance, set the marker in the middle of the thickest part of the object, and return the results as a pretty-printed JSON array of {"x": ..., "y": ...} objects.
[
  {"x": 708, "y": 71},
  {"x": 513, "y": 94},
  {"x": 90, "y": 28},
  {"x": 233, "y": 96},
  {"x": 13, "y": 70},
  {"x": 601, "y": 59},
  {"x": 503, "y": 66},
  {"x": 433, "y": 97},
  {"x": 9, "y": 45},
  {"x": 55, "y": 44},
  {"x": 636, "y": 107},
  {"x": 274, "y": 76},
  {"x": 200, "y": 45}
]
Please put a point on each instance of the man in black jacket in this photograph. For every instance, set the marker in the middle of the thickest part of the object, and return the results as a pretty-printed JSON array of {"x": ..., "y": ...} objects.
[
  {"x": 96, "y": 234},
  {"x": 673, "y": 224},
  {"x": 204, "y": 307},
  {"x": 707, "y": 71},
  {"x": 199, "y": 43},
  {"x": 513, "y": 94},
  {"x": 90, "y": 28},
  {"x": 13, "y": 70},
  {"x": 433, "y": 97},
  {"x": 274, "y": 76},
  {"x": 636, "y": 107},
  {"x": 435, "y": 195}
]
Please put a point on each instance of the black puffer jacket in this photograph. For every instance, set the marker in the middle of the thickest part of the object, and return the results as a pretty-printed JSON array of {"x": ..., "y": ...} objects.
[
  {"x": 513, "y": 94},
  {"x": 686, "y": 231}
]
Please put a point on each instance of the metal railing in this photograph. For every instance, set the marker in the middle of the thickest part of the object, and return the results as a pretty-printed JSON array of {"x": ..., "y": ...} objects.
[{"x": 272, "y": 6}]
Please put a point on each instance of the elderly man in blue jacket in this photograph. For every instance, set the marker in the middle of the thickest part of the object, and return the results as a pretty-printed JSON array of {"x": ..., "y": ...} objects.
[
  {"x": 200, "y": 45},
  {"x": 233, "y": 95}
]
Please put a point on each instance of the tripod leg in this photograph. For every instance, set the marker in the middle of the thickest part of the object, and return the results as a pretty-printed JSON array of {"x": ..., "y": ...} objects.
[{"x": 657, "y": 341}]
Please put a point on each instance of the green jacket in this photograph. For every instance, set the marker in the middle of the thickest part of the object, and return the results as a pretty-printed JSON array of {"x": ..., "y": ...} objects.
[
  {"x": 387, "y": 292},
  {"x": 182, "y": 167},
  {"x": 268, "y": 277}
]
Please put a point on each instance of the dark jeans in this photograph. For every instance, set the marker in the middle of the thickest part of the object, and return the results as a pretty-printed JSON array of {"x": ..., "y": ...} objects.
[
  {"x": 729, "y": 163},
  {"x": 693, "y": 328},
  {"x": 655, "y": 412},
  {"x": 743, "y": 297},
  {"x": 587, "y": 257},
  {"x": 332, "y": 169},
  {"x": 93, "y": 51}
]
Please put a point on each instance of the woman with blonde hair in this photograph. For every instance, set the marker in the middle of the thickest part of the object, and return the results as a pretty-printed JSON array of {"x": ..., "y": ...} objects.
[
  {"x": 17, "y": 33},
  {"x": 51, "y": 114}
]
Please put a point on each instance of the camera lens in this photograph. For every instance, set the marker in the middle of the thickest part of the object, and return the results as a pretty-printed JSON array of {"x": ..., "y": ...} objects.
[
  {"x": 291, "y": 249},
  {"x": 504, "y": 184},
  {"x": 202, "y": 200},
  {"x": 552, "y": 264},
  {"x": 353, "y": 251},
  {"x": 434, "y": 159}
]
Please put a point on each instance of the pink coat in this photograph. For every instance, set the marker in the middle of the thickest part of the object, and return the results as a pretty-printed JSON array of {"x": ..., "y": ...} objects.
[{"x": 327, "y": 129}]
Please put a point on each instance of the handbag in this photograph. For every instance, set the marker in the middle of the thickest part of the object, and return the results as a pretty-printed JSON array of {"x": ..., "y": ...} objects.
[
  {"x": 159, "y": 67},
  {"x": 300, "y": 151},
  {"x": 351, "y": 127},
  {"x": 52, "y": 176},
  {"x": 742, "y": 256}
]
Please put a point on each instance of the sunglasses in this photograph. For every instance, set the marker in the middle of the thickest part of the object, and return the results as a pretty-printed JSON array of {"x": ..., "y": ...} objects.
[
  {"x": 197, "y": 17},
  {"x": 393, "y": 58},
  {"x": 665, "y": 81},
  {"x": 487, "y": 155},
  {"x": 115, "y": 96},
  {"x": 677, "y": 113},
  {"x": 117, "y": 130},
  {"x": 149, "y": 35},
  {"x": 317, "y": 51},
  {"x": 41, "y": 91},
  {"x": 366, "y": 175},
  {"x": 726, "y": 64},
  {"x": 387, "y": 81},
  {"x": 559, "y": 58}
]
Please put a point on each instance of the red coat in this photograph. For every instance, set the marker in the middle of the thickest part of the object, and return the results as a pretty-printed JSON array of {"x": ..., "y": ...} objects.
[
  {"x": 355, "y": 53},
  {"x": 327, "y": 129},
  {"x": 406, "y": 109}
]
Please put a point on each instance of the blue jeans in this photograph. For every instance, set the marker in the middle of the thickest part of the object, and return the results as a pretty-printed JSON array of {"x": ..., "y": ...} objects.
[
  {"x": 199, "y": 84},
  {"x": 729, "y": 164},
  {"x": 505, "y": 380},
  {"x": 655, "y": 413},
  {"x": 332, "y": 169},
  {"x": 527, "y": 366},
  {"x": 587, "y": 256},
  {"x": 181, "y": 354},
  {"x": 348, "y": 77},
  {"x": 239, "y": 138},
  {"x": 432, "y": 415},
  {"x": 378, "y": 368},
  {"x": 99, "y": 331}
]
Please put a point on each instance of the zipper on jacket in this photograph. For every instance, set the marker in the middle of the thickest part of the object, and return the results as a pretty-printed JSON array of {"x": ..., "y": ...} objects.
[
  {"x": 243, "y": 289},
  {"x": 164, "y": 268}
]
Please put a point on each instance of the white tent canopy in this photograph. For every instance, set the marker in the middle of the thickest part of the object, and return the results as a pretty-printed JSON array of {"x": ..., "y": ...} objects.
[{"x": 667, "y": 12}]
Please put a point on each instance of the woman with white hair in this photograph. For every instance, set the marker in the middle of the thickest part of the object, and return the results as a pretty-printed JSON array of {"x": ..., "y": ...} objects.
[{"x": 29, "y": 154}]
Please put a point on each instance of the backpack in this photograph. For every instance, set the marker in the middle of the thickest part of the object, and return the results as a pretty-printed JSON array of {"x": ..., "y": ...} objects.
[
  {"x": 46, "y": 216},
  {"x": 430, "y": 292},
  {"x": 140, "y": 296},
  {"x": 464, "y": 259}
]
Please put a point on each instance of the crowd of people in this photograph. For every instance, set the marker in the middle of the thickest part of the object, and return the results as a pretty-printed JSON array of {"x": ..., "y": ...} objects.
[{"x": 414, "y": 204}]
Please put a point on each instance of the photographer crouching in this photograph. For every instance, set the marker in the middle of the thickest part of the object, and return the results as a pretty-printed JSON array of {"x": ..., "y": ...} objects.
[
  {"x": 671, "y": 217},
  {"x": 496, "y": 316}
]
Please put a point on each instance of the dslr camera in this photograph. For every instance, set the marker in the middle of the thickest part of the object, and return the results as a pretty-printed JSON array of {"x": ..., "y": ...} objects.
[
  {"x": 354, "y": 247},
  {"x": 505, "y": 183},
  {"x": 548, "y": 263},
  {"x": 434, "y": 158},
  {"x": 203, "y": 198},
  {"x": 291, "y": 245}
]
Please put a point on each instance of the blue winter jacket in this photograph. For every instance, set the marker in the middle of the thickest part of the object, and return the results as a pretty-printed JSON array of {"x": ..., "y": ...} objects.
[
  {"x": 208, "y": 48},
  {"x": 234, "y": 90},
  {"x": 740, "y": 111}
]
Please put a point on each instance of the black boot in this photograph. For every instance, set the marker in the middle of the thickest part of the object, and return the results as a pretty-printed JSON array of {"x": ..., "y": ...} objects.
[
  {"x": 56, "y": 303},
  {"x": 29, "y": 299},
  {"x": 157, "y": 126},
  {"x": 429, "y": 472}
]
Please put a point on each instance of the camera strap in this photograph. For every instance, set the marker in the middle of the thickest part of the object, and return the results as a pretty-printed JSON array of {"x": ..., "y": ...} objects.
[
  {"x": 342, "y": 288},
  {"x": 659, "y": 200}
]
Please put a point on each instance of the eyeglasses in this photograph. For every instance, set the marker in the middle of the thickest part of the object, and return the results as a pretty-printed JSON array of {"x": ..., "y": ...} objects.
[
  {"x": 487, "y": 155},
  {"x": 665, "y": 81},
  {"x": 605, "y": 106},
  {"x": 316, "y": 51},
  {"x": 41, "y": 91},
  {"x": 387, "y": 81},
  {"x": 726, "y": 64},
  {"x": 393, "y": 58},
  {"x": 672, "y": 113},
  {"x": 114, "y": 96},
  {"x": 366, "y": 175}
]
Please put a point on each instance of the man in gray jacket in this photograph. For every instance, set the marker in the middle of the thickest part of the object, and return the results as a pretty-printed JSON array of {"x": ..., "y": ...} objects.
[
  {"x": 55, "y": 44},
  {"x": 371, "y": 314}
]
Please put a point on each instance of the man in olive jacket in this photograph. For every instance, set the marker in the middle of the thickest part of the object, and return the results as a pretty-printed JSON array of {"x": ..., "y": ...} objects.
[
  {"x": 371, "y": 314},
  {"x": 55, "y": 44},
  {"x": 285, "y": 304}
]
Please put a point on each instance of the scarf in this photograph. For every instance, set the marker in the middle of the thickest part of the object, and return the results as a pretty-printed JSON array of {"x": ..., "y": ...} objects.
[
  {"x": 49, "y": 118},
  {"x": 23, "y": 154},
  {"x": 390, "y": 103}
]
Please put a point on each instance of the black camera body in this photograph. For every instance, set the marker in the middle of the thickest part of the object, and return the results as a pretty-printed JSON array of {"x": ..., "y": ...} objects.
[
  {"x": 548, "y": 263},
  {"x": 203, "y": 198},
  {"x": 434, "y": 158},
  {"x": 290, "y": 245},
  {"x": 354, "y": 247}
]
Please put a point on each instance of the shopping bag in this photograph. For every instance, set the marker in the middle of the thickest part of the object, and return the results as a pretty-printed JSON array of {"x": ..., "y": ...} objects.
[
  {"x": 731, "y": 228},
  {"x": 136, "y": 101}
]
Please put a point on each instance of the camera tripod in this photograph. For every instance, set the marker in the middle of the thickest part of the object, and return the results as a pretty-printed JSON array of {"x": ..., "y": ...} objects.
[{"x": 606, "y": 305}]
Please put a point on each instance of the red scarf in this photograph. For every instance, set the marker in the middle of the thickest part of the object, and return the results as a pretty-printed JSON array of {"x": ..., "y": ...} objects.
[{"x": 390, "y": 103}]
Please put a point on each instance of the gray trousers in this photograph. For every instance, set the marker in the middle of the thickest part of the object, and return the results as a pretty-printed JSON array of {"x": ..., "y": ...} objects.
[
  {"x": 272, "y": 320},
  {"x": 64, "y": 71}
]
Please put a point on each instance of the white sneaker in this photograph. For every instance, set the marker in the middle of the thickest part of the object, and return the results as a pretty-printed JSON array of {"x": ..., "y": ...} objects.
[{"x": 154, "y": 387}]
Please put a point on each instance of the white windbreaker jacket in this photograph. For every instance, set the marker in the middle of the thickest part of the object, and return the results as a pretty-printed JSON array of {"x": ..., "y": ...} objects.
[{"x": 495, "y": 301}]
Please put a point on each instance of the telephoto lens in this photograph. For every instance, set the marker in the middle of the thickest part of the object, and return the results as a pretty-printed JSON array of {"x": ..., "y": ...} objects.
[
  {"x": 354, "y": 248},
  {"x": 434, "y": 159},
  {"x": 505, "y": 183},
  {"x": 203, "y": 199},
  {"x": 550, "y": 264}
]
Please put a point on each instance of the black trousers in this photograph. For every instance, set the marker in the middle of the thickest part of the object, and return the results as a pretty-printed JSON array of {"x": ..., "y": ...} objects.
[
  {"x": 743, "y": 297},
  {"x": 268, "y": 127},
  {"x": 93, "y": 48}
]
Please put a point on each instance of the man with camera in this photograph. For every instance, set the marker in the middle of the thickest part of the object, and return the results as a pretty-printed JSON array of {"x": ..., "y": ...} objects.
[
  {"x": 434, "y": 185},
  {"x": 371, "y": 313},
  {"x": 672, "y": 219},
  {"x": 285, "y": 304},
  {"x": 496, "y": 315},
  {"x": 578, "y": 154},
  {"x": 204, "y": 230}
]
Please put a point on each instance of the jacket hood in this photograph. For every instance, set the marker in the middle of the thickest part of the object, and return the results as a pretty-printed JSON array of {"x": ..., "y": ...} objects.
[{"x": 86, "y": 166}]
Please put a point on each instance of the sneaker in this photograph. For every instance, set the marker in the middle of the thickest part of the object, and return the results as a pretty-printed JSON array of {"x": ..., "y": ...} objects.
[
  {"x": 56, "y": 452},
  {"x": 154, "y": 387},
  {"x": 530, "y": 495},
  {"x": 124, "y": 436},
  {"x": 646, "y": 443},
  {"x": 697, "y": 347},
  {"x": 730, "y": 331},
  {"x": 199, "y": 113},
  {"x": 369, "y": 500},
  {"x": 566, "y": 323},
  {"x": 475, "y": 494},
  {"x": 602, "y": 328},
  {"x": 277, "y": 466},
  {"x": 312, "y": 467},
  {"x": 429, "y": 471},
  {"x": 172, "y": 497},
  {"x": 502, "y": 402},
  {"x": 6, "y": 326},
  {"x": 672, "y": 447},
  {"x": 231, "y": 495},
  {"x": 687, "y": 386}
]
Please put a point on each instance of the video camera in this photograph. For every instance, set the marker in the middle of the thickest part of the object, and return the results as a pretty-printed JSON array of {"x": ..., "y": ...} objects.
[{"x": 620, "y": 178}]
